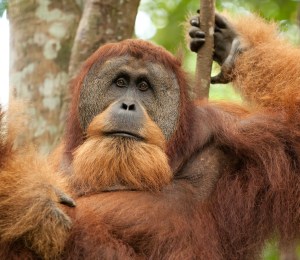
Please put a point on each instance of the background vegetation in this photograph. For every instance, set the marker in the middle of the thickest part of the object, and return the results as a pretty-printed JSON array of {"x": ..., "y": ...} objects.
[{"x": 165, "y": 14}]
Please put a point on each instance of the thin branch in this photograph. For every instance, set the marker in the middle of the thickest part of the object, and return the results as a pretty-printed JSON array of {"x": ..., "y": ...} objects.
[{"x": 204, "y": 56}]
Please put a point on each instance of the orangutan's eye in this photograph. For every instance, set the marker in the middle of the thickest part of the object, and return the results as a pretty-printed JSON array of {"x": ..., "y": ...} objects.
[
  {"x": 121, "y": 82},
  {"x": 143, "y": 86}
]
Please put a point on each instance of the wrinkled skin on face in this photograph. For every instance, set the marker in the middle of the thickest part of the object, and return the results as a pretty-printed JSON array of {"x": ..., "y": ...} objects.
[{"x": 129, "y": 79}]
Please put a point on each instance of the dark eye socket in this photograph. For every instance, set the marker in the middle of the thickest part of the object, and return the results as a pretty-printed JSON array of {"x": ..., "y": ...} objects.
[
  {"x": 143, "y": 86},
  {"x": 121, "y": 82}
]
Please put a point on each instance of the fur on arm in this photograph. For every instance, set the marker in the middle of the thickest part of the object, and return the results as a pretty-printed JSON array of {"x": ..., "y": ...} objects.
[
  {"x": 257, "y": 195},
  {"x": 267, "y": 72},
  {"x": 31, "y": 193}
]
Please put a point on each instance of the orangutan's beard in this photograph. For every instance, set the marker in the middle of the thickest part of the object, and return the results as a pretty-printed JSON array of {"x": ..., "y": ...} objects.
[{"x": 106, "y": 163}]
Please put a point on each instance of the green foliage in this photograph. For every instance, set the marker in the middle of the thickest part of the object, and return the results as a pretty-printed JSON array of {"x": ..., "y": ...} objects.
[
  {"x": 279, "y": 10},
  {"x": 3, "y": 6},
  {"x": 271, "y": 251},
  {"x": 282, "y": 11},
  {"x": 224, "y": 92},
  {"x": 169, "y": 16}
]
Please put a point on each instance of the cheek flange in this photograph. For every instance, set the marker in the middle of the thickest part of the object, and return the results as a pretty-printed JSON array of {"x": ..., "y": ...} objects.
[{"x": 97, "y": 92}]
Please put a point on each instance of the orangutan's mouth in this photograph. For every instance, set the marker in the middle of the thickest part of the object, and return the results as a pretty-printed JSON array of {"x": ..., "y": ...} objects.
[{"x": 125, "y": 134}]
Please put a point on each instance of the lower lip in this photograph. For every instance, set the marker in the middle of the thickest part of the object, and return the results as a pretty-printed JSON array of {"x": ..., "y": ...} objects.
[{"x": 126, "y": 135}]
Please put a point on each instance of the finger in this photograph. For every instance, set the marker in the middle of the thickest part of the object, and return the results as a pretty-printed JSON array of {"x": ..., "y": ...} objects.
[
  {"x": 196, "y": 44},
  {"x": 195, "y": 32},
  {"x": 218, "y": 30},
  {"x": 215, "y": 79},
  {"x": 194, "y": 21},
  {"x": 64, "y": 199},
  {"x": 221, "y": 21},
  {"x": 219, "y": 79}
]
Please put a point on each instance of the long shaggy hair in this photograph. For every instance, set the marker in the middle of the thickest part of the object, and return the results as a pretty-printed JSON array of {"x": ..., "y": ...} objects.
[
  {"x": 264, "y": 73},
  {"x": 30, "y": 193},
  {"x": 106, "y": 162}
]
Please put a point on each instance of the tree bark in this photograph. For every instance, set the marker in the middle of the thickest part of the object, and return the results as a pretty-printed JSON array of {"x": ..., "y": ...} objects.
[
  {"x": 204, "y": 56},
  {"x": 42, "y": 45},
  {"x": 42, "y": 34},
  {"x": 102, "y": 21}
]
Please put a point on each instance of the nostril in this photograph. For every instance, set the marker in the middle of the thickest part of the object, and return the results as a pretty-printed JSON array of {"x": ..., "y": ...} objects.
[
  {"x": 132, "y": 107},
  {"x": 124, "y": 106}
]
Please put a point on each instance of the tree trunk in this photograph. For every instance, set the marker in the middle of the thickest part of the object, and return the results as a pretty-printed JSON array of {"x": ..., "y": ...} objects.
[
  {"x": 102, "y": 21},
  {"x": 42, "y": 43},
  {"x": 204, "y": 56},
  {"x": 41, "y": 36}
]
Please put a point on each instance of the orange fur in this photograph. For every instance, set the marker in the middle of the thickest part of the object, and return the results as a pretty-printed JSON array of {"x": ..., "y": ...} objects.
[
  {"x": 29, "y": 199},
  {"x": 259, "y": 32},
  {"x": 256, "y": 197},
  {"x": 256, "y": 193},
  {"x": 257, "y": 189},
  {"x": 267, "y": 73},
  {"x": 104, "y": 163},
  {"x": 171, "y": 224}
]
